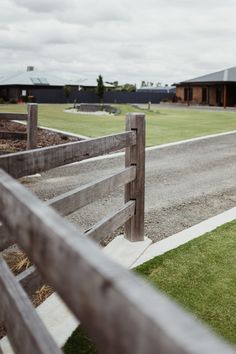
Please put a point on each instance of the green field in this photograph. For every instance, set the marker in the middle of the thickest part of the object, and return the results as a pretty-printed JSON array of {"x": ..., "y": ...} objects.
[
  {"x": 163, "y": 126},
  {"x": 199, "y": 275}
]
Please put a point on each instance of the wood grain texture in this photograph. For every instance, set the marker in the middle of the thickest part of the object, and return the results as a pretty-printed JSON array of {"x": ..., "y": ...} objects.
[
  {"x": 135, "y": 155},
  {"x": 30, "y": 280},
  {"x": 13, "y": 116},
  {"x": 71, "y": 201},
  {"x": 6, "y": 240},
  {"x": 25, "y": 329},
  {"x": 120, "y": 312},
  {"x": 30, "y": 162},
  {"x": 112, "y": 222},
  {"x": 32, "y": 126}
]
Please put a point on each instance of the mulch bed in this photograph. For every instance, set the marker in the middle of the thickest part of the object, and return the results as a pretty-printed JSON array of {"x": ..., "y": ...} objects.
[{"x": 45, "y": 138}]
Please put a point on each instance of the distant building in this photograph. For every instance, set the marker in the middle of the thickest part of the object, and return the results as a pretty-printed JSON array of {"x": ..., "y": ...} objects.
[
  {"x": 216, "y": 89},
  {"x": 39, "y": 85}
]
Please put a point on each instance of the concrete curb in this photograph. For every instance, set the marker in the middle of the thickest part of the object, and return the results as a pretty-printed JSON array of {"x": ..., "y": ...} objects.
[
  {"x": 65, "y": 132},
  {"x": 158, "y": 147},
  {"x": 57, "y": 131},
  {"x": 185, "y": 236},
  {"x": 125, "y": 252}
]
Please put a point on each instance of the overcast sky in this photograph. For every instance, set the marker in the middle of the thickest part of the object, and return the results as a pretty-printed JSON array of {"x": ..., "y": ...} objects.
[{"x": 126, "y": 40}]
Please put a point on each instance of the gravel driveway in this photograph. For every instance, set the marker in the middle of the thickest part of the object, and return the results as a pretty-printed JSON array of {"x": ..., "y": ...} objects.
[{"x": 185, "y": 184}]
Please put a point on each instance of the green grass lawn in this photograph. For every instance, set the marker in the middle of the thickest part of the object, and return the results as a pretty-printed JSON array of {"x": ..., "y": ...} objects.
[
  {"x": 200, "y": 276},
  {"x": 163, "y": 126}
]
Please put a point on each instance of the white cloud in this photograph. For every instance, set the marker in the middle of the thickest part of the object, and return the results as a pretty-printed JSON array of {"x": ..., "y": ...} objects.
[{"x": 126, "y": 40}]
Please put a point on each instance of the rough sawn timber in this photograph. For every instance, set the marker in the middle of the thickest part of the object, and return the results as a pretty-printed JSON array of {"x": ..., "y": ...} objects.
[
  {"x": 135, "y": 155},
  {"x": 25, "y": 163},
  {"x": 79, "y": 197},
  {"x": 13, "y": 116},
  {"x": 121, "y": 313},
  {"x": 111, "y": 222},
  {"x": 25, "y": 329}
]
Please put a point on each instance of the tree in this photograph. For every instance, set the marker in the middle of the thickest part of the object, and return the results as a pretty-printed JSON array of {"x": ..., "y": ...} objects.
[
  {"x": 100, "y": 87},
  {"x": 128, "y": 88},
  {"x": 143, "y": 84}
]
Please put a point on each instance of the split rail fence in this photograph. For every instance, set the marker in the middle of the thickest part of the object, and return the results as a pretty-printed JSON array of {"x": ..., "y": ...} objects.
[
  {"x": 120, "y": 312},
  {"x": 31, "y": 117}
]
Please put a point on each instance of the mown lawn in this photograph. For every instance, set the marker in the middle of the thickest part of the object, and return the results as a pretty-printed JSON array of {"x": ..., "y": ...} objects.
[
  {"x": 200, "y": 276},
  {"x": 163, "y": 126}
]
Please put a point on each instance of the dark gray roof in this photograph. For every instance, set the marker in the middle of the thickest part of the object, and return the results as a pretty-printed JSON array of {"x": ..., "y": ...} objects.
[
  {"x": 35, "y": 77},
  {"x": 220, "y": 76}
]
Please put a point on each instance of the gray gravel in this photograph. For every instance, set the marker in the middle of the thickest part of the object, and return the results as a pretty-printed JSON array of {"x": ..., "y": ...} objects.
[{"x": 185, "y": 184}]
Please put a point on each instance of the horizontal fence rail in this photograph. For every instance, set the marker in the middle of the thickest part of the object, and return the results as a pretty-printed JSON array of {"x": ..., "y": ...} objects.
[
  {"x": 73, "y": 200},
  {"x": 25, "y": 329},
  {"x": 128, "y": 316},
  {"x": 112, "y": 222},
  {"x": 6, "y": 240},
  {"x": 30, "y": 280},
  {"x": 13, "y": 116},
  {"x": 30, "y": 162}
]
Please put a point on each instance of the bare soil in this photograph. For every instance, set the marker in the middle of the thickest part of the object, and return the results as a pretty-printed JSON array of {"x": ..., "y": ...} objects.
[{"x": 45, "y": 138}]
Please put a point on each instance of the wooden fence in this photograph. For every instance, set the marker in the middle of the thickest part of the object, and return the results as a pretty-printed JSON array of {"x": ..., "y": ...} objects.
[
  {"x": 31, "y": 117},
  {"x": 120, "y": 312}
]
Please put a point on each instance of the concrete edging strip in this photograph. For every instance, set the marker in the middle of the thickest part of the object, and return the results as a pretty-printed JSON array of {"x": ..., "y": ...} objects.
[
  {"x": 185, "y": 236},
  {"x": 158, "y": 147}
]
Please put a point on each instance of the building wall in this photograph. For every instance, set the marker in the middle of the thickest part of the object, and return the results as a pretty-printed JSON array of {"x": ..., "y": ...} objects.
[
  {"x": 13, "y": 93},
  {"x": 180, "y": 93},
  {"x": 212, "y": 96},
  {"x": 197, "y": 95}
]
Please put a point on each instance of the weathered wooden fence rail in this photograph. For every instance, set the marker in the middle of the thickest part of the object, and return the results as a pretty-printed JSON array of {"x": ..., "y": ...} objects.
[
  {"x": 132, "y": 213},
  {"x": 24, "y": 163},
  {"x": 32, "y": 122},
  {"x": 121, "y": 313}
]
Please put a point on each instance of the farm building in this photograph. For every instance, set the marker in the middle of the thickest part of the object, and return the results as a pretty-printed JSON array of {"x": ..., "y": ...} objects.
[{"x": 216, "y": 89}]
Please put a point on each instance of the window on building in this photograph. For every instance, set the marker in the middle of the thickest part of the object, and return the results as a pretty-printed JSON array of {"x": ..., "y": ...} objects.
[{"x": 204, "y": 95}]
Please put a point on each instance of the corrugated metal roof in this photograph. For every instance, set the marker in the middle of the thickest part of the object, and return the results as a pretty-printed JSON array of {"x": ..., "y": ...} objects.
[
  {"x": 220, "y": 76},
  {"x": 35, "y": 78}
]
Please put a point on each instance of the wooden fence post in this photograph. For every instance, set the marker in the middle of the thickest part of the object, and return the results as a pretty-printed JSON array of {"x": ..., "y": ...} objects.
[
  {"x": 32, "y": 126},
  {"x": 135, "y": 156}
]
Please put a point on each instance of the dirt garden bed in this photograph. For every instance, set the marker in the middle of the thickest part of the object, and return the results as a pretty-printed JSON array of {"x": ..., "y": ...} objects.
[{"x": 13, "y": 137}]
